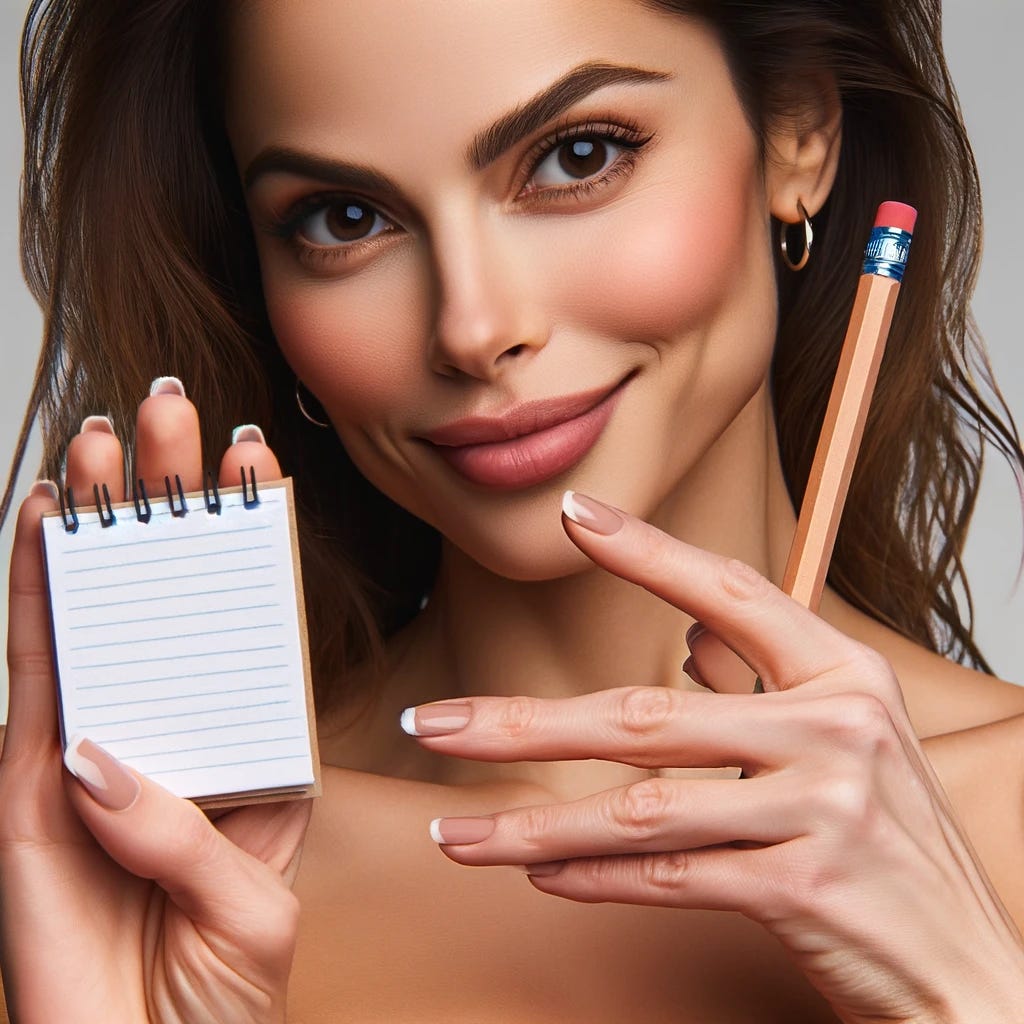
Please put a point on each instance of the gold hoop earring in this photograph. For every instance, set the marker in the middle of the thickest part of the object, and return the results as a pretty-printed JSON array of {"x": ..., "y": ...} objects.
[
  {"x": 302, "y": 408},
  {"x": 808, "y": 240}
]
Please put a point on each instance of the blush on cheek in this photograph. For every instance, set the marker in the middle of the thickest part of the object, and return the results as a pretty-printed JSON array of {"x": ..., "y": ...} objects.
[
  {"x": 668, "y": 265},
  {"x": 348, "y": 354}
]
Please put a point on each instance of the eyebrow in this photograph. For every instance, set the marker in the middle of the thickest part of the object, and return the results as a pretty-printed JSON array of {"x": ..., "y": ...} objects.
[
  {"x": 572, "y": 87},
  {"x": 485, "y": 148}
]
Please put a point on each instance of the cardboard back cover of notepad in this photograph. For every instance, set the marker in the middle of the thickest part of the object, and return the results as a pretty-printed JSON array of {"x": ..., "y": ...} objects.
[{"x": 180, "y": 641}]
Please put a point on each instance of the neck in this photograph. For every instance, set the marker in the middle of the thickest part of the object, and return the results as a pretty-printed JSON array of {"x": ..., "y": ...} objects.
[
  {"x": 482, "y": 634},
  {"x": 592, "y": 630}
]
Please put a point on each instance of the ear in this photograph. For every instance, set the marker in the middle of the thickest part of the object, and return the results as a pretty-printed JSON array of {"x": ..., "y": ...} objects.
[{"x": 802, "y": 152}]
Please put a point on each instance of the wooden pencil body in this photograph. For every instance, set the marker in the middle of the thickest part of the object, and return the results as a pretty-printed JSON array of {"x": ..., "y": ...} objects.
[{"x": 840, "y": 439}]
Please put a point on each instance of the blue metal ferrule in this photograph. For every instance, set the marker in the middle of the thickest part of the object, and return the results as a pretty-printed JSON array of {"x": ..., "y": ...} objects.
[{"x": 886, "y": 253}]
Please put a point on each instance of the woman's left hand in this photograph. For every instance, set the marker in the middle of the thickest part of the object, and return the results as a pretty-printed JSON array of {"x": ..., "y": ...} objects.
[{"x": 838, "y": 838}]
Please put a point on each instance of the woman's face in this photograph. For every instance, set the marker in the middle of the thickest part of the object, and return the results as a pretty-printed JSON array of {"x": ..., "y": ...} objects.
[{"x": 466, "y": 208}]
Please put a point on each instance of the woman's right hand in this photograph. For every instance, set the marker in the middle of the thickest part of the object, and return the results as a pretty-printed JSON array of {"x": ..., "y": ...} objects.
[{"x": 120, "y": 902}]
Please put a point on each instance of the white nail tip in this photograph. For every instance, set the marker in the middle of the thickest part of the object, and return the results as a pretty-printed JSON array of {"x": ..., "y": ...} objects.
[
  {"x": 570, "y": 508},
  {"x": 167, "y": 386},
  {"x": 81, "y": 767},
  {"x": 247, "y": 432},
  {"x": 435, "y": 831},
  {"x": 99, "y": 424},
  {"x": 408, "y": 722}
]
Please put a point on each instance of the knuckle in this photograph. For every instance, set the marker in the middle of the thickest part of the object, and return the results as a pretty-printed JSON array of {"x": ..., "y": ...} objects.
[
  {"x": 533, "y": 827},
  {"x": 740, "y": 582},
  {"x": 668, "y": 872},
  {"x": 844, "y": 801},
  {"x": 861, "y": 724},
  {"x": 29, "y": 664},
  {"x": 516, "y": 716},
  {"x": 645, "y": 711},
  {"x": 639, "y": 811}
]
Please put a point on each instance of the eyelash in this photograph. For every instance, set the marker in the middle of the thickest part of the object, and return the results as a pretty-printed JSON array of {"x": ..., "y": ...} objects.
[{"x": 626, "y": 135}]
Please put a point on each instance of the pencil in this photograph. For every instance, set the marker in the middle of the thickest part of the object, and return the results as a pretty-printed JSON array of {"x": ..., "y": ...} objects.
[{"x": 884, "y": 261}]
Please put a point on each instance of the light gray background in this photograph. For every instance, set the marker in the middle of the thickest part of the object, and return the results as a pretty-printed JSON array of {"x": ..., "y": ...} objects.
[{"x": 982, "y": 41}]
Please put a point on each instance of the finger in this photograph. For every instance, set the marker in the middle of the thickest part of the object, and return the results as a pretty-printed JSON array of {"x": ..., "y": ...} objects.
[
  {"x": 645, "y": 726},
  {"x": 714, "y": 665},
  {"x": 154, "y": 834},
  {"x": 167, "y": 439},
  {"x": 752, "y": 882},
  {"x": 32, "y": 714},
  {"x": 651, "y": 816},
  {"x": 95, "y": 457},
  {"x": 783, "y": 642},
  {"x": 248, "y": 449}
]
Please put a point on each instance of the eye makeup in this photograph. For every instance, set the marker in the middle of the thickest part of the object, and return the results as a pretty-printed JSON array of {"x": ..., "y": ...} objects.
[{"x": 623, "y": 138}]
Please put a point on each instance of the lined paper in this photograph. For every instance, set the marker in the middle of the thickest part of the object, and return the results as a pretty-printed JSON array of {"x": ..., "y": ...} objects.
[{"x": 180, "y": 645}]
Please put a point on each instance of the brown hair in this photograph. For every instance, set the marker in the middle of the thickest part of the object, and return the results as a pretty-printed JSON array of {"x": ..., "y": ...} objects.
[{"x": 137, "y": 246}]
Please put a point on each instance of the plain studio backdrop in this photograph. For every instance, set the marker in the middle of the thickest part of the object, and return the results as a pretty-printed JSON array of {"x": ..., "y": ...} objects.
[{"x": 982, "y": 38}]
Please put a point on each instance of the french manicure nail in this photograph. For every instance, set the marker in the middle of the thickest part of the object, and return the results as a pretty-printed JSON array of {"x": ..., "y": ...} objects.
[
  {"x": 108, "y": 781},
  {"x": 47, "y": 487},
  {"x": 96, "y": 425},
  {"x": 591, "y": 514},
  {"x": 167, "y": 386},
  {"x": 247, "y": 432},
  {"x": 459, "y": 831},
  {"x": 436, "y": 719}
]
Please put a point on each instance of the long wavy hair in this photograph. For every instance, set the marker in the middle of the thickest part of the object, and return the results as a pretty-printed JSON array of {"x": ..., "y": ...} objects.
[{"x": 137, "y": 246}]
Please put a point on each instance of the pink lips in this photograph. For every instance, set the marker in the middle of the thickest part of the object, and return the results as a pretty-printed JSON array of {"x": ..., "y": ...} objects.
[{"x": 529, "y": 444}]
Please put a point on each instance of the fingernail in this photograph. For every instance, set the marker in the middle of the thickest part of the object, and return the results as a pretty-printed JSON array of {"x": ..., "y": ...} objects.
[
  {"x": 96, "y": 425},
  {"x": 247, "y": 432},
  {"x": 691, "y": 670},
  {"x": 545, "y": 869},
  {"x": 47, "y": 487},
  {"x": 108, "y": 781},
  {"x": 436, "y": 719},
  {"x": 167, "y": 386},
  {"x": 459, "y": 831},
  {"x": 693, "y": 634},
  {"x": 591, "y": 514}
]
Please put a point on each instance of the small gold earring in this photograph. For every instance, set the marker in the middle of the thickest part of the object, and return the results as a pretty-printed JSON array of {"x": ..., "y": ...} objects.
[
  {"x": 808, "y": 240},
  {"x": 302, "y": 408}
]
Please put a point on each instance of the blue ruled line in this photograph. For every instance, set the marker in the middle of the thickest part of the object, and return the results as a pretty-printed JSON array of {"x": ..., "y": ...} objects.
[
  {"x": 177, "y": 615},
  {"x": 180, "y": 696},
  {"x": 140, "y": 541},
  {"x": 202, "y": 728},
  {"x": 166, "y": 579},
  {"x": 186, "y": 714},
  {"x": 215, "y": 746},
  {"x": 176, "y": 657},
  {"x": 175, "y": 636},
  {"x": 178, "y": 678},
  {"x": 169, "y": 558},
  {"x": 169, "y": 597},
  {"x": 229, "y": 764}
]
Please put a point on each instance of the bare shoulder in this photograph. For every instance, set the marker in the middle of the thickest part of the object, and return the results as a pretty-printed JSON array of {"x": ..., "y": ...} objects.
[
  {"x": 941, "y": 696},
  {"x": 982, "y": 771}
]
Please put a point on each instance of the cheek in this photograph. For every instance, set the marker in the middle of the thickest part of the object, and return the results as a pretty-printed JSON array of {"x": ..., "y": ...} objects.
[
  {"x": 681, "y": 256},
  {"x": 356, "y": 349}
]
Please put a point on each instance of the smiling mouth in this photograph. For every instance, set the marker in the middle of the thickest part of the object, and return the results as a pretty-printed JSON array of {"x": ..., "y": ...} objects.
[{"x": 529, "y": 444}]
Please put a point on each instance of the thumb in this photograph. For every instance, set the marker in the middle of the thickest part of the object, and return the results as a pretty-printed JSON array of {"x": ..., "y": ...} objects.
[{"x": 156, "y": 835}]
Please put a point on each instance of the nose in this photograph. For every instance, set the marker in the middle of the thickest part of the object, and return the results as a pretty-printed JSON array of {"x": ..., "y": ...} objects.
[{"x": 486, "y": 316}]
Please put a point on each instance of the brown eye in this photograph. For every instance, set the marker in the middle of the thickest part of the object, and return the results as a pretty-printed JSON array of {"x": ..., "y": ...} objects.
[
  {"x": 575, "y": 160},
  {"x": 344, "y": 220},
  {"x": 582, "y": 158}
]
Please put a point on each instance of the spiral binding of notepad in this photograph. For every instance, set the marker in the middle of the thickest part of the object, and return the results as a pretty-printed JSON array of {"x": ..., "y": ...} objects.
[{"x": 143, "y": 511}]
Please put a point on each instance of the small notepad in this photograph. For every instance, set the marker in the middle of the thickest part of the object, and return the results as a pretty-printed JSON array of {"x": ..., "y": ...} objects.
[{"x": 180, "y": 641}]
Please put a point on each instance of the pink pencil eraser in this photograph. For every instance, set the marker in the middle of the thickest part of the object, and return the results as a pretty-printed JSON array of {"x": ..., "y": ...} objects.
[{"x": 896, "y": 215}]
